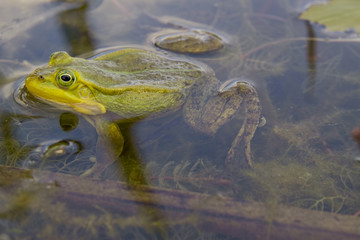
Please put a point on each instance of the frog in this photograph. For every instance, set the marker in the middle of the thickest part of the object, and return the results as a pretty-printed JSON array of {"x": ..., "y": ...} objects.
[{"x": 134, "y": 83}]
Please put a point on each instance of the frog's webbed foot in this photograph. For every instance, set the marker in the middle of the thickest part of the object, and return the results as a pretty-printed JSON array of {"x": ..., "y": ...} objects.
[{"x": 209, "y": 114}]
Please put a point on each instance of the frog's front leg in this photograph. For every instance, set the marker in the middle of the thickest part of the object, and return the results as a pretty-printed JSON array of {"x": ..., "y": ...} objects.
[
  {"x": 208, "y": 114},
  {"x": 109, "y": 144}
]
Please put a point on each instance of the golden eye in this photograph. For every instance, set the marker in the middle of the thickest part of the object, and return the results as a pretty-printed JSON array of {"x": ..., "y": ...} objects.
[{"x": 65, "y": 78}]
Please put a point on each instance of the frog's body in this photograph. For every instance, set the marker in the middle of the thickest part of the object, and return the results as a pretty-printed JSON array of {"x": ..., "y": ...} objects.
[{"x": 136, "y": 83}]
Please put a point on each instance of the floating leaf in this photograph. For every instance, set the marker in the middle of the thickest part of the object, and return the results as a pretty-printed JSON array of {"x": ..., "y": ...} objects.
[{"x": 336, "y": 15}]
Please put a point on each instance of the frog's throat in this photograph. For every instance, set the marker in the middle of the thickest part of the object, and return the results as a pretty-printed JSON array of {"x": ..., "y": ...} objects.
[
  {"x": 84, "y": 107},
  {"x": 94, "y": 108}
]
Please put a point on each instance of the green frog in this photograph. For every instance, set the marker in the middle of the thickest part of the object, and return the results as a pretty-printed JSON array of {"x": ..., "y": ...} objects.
[{"x": 137, "y": 83}]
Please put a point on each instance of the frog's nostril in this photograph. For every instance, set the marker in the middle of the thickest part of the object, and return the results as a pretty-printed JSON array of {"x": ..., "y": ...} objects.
[{"x": 41, "y": 78}]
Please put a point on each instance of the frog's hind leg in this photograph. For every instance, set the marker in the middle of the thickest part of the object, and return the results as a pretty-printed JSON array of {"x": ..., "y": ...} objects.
[
  {"x": 213, "y": 111},
  {"x": 253, "y": 119}
]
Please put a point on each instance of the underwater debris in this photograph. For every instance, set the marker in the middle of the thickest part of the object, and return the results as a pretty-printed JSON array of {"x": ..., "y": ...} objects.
[{"x": 356, "y": 134}]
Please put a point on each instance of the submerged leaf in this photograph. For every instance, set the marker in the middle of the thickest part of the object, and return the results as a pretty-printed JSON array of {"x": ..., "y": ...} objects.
[{"x": 336, "y": 15}]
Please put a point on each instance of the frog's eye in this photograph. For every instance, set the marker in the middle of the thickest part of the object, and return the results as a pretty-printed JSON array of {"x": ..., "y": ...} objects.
[{"x": 65, "y": 78}]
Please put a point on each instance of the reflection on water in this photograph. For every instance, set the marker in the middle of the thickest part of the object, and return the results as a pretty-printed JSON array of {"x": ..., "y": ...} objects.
[
  {"x": 68, "y": 121},
  {"x": 311, "y": 80},
  {"x": 49, "y": 151},
  {"x": 305, "y": 158},
  {"x": 76, "y": 29}
]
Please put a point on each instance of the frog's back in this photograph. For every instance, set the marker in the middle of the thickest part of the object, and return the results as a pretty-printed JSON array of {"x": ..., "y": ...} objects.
[
  {"x": 137, "y": 68},
  {"x": 136, "y": 82}
]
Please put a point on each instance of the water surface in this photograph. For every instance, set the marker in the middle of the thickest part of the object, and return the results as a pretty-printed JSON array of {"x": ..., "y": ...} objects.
[{"x": 304, "y": 157}]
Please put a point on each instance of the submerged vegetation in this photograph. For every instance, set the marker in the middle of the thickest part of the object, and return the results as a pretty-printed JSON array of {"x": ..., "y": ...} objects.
[{"x": 303, "y": 157}]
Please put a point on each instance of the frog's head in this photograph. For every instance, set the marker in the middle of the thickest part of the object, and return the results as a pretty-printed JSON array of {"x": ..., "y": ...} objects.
[{"x": 60, "y": 83}]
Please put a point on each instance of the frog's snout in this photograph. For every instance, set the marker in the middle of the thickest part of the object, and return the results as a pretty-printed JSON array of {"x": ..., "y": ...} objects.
[
  {"x": 28, "y": 78},
  {"x": 35, "y": 76}
]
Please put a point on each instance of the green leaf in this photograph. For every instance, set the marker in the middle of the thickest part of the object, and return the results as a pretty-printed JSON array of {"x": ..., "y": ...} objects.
[{"x": 336, "y": 15}]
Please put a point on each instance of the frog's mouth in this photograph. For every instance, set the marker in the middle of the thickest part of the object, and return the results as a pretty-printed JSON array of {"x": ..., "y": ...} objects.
[
  {"x": 60, "y": 98},
  {"x": 84, "y": 108}
]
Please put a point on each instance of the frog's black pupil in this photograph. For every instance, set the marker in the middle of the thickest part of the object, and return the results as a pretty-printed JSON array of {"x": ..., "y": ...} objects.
[{"x": 65, "y": 78}]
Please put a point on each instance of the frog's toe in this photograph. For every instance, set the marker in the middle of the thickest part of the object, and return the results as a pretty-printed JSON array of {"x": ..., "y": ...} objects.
[
  {"x": 262, "y": 121},
  {"x": 231, "y": 161}
]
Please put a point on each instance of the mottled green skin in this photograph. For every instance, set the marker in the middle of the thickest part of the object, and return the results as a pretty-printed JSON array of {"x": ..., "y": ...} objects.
[{"x": 136, "y": 83}]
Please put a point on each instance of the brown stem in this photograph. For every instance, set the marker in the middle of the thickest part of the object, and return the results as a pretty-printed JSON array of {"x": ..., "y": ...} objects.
[{"x": 227, "y": 216}]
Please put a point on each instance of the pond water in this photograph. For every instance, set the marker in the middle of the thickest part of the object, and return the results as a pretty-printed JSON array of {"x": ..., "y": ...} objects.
[{"x": 171, "y": 181}]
